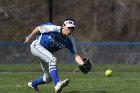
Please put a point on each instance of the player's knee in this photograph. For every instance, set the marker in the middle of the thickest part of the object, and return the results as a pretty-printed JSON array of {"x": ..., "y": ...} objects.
[
  {"x": 47, "y": 78},
  {"x": 52, "y": 63}
]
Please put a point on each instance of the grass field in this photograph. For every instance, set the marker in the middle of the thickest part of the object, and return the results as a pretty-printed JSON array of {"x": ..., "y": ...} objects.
[{"x": 125, "y": 79}]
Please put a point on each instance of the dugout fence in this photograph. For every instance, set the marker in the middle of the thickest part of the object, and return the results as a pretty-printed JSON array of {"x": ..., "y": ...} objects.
[
  {"x": 100, "y": 53},
  {"x": 16, "y": 56}
]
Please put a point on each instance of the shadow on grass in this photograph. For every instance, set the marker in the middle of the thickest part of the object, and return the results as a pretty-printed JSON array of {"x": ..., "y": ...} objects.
[{"x": 86, "y": 92}]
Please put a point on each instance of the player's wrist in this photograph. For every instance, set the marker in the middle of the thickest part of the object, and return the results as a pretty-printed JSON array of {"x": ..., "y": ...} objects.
[{"x": 29, "y": 36}]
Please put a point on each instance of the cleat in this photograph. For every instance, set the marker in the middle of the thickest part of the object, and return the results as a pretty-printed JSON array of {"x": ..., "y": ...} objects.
[
  {"x": 60, "y": 85},
  {"x": 35, "y": 88}
]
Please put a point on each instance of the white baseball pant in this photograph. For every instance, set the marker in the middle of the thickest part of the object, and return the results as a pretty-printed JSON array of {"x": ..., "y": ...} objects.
[{"x": 47, "y": 62}]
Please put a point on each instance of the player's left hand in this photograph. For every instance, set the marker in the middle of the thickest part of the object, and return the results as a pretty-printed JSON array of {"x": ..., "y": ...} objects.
[{"x": 86, "y": 67}]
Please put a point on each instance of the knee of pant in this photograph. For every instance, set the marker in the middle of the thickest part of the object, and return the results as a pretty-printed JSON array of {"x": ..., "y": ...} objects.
[
  {"x": 47, "y": 79},
  {"x": 52, "y": 63}
]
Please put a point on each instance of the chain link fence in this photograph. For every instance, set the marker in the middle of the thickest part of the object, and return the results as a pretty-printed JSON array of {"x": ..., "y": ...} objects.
[{"x": 97, "y": 20}]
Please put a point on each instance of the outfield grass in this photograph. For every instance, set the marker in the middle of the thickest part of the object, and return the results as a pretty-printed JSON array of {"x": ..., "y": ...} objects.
[{"x": 125, "y": 79}]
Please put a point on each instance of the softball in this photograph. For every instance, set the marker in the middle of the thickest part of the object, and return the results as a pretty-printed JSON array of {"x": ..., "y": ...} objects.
[{"x": 108, "y": 72}]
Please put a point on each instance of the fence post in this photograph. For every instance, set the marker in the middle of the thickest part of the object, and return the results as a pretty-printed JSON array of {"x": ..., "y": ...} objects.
[{"x": 50, "y": 11}]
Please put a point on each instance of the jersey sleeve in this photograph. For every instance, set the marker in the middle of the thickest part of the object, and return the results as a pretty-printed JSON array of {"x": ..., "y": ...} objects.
[
  {"x": 72, "y": 47},
  {"x": 48, "y": 28}
]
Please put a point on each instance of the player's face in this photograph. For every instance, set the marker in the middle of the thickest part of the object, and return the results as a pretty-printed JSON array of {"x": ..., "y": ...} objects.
[{"x": 67, "y": 30}]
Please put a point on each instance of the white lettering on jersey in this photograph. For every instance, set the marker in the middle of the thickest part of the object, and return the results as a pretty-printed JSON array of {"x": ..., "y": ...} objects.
[{"x": 60, "y": 45}]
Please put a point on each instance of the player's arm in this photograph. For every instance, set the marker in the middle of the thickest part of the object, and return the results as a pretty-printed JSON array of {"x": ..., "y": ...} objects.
[
  {"x": 78, "y": 59},
  {"x": 83, "y": 63},
  {"x": 73, "y": 49},
  {"x": 33, "y": 33}
]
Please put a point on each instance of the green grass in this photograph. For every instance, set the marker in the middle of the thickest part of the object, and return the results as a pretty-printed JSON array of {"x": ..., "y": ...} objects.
[{"x": 125, "y": 79}]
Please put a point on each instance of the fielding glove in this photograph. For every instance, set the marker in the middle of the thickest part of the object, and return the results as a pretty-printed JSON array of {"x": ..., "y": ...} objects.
[{"x": 86, "y": 67}]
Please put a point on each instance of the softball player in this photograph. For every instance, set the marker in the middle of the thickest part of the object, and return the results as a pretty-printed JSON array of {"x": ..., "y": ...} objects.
[{"x": 49, "y": 39}]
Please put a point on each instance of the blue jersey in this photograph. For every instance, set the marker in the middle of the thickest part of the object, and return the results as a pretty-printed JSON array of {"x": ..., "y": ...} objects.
[{"x": 50, "y": 37}]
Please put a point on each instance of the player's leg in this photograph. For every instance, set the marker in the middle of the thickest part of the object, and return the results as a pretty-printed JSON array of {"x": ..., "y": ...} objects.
[
  {"x": 59, "y": 85},
  {"x": 42, "y": 79},
  {"x": 39, "y": 51},
  {"x": 46, "y": 56},
  {"x": 46, "y": 76}
]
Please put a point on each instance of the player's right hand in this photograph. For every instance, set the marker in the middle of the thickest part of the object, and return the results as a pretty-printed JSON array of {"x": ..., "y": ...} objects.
[{"x": 28, "y": 39}]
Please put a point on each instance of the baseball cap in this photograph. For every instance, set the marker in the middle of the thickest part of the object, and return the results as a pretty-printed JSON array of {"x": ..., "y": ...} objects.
[{"x": 70, "y": 23}]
